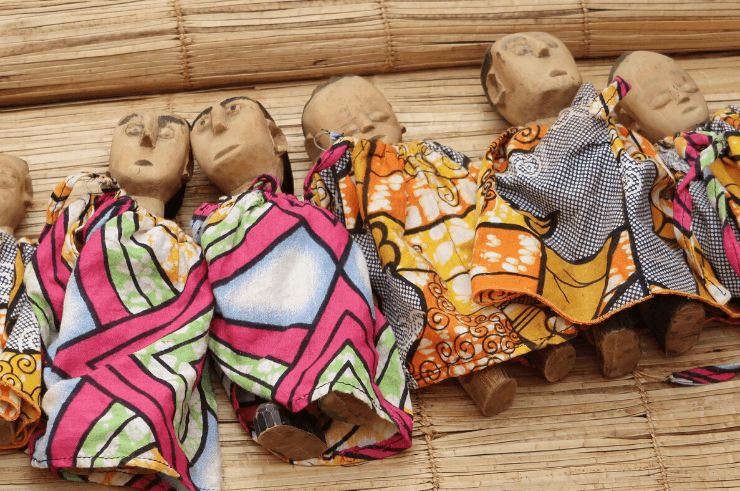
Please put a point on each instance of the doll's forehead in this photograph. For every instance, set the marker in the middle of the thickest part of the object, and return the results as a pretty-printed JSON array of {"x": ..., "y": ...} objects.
[
  {"x": 16, "y": 166},
  {"x": 508, "y": 42},
  {"x": 346, "y": 96},
  {"x": 645, "y": 65}
]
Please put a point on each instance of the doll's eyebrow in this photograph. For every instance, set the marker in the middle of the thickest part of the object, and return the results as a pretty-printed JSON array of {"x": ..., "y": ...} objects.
[
  {"x": 163, "y": 120},
  {"x": 227, "y": 101},
  {"x": 204, "y": 113},
  {"x": 128, "y": 118}
]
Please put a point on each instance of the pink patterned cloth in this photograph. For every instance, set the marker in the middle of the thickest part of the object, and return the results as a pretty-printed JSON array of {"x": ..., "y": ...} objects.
[{"x": 295, "y": 319}]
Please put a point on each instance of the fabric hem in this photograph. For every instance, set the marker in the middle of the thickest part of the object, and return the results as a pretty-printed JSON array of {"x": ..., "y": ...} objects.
[{"x": 597, "y": 320}]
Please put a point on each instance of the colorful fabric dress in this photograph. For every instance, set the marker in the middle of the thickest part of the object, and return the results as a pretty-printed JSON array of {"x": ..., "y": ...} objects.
[
  {"x": 707, "y": 202},
  {"x": 412, "y": 209},
  {"x": 579, "y": 216},
  {"x": 295, "y": 319},
  {"x": 124, "y": 306},
  {"x": 20, "y": 361}
]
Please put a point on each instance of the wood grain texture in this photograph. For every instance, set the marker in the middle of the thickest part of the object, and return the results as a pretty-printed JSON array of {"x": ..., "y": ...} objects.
[{"x": 52, "y": 50}]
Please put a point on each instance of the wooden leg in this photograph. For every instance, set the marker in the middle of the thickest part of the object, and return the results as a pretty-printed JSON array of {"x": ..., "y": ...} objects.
[
  {"x": 491, "y": 389},
  {"x": 676, "y": 321},
  {"x": 617, "y": 345},
  {"x": 7, "y": 432},
  {"x": 554, "y": 361},
  {"x": 347, "y": 408},
  {"x": 296, "y": 436}
]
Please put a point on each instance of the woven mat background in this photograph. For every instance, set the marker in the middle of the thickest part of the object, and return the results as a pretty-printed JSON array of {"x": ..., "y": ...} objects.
[
  {"x": 632, "y": 433},
  {"x": 54, "y": 49}
]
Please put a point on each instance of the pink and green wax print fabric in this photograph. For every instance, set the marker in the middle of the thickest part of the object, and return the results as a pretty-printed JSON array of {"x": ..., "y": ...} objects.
[
  {"x": 124, "y": 306},
  {"x": 295, "y": 319},
  {"x": 707, "y": 202}
]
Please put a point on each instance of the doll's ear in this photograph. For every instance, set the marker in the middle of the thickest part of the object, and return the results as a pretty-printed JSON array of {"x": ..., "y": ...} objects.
[
  {"x": 27, "y": 199},
  {"x": 280, "y": 143},
  {"x": 187, "y": 171},
  {"x": 312, "y": 150},
  {"x": 496, "y": 90},
  {"x": 403, "y": 130}
]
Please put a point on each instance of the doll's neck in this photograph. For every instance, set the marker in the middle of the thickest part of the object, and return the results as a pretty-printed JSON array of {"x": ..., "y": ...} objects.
[
  {"x": 7, "y": 230},
  {"x": 153, "y": 206},
  {"x": 240, "y": 188}
]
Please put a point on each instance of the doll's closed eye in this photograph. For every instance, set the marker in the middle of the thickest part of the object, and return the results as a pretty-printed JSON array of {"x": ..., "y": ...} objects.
[
  {"x": 349, "y": 130},
  {"x": 379, "y": 116},
  {"x": 8, "y": 181},
  {"x": 519, "y": 47},
  {"x": 661, "y": 101}
]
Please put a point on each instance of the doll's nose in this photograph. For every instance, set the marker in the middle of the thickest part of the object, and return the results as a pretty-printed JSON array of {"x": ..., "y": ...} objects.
[
  {"x": 541, "y": 50},
  {"x": 679, "y": 95},
  {"x": 149, "y": 133},
  {"x": 148, "y": 138},
  {"x": 218, "y": 120}
]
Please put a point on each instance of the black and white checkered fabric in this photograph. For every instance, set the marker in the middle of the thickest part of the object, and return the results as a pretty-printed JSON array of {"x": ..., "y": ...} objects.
[
  {"x": 573, "y": 176},
  {"x": 24, "y": 336},
  {"x": 460, "y": 159}
]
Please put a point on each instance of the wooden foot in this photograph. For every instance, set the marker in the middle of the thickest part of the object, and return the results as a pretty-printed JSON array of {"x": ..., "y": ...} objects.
[
  {"x": 617, "y": 345},
  {"x": 296, "y": 436},
  {"x": 676, "y": 321},
  {"x": 7, "y": 432},
  {"x": 491, "y": 389},
  {"x": 554, "y": 361},
  {"x": 347, "y": 408}
]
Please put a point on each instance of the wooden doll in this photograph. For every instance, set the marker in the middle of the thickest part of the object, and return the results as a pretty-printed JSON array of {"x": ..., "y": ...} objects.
[
  {"x": 310, "y": 365},
  {"x": 124, "y": 305}
]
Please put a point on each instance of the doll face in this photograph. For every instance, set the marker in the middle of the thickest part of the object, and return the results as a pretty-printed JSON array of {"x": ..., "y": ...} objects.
[
  {"x": 15, "y": 197},
  {"x": 663, "y": 100},
  {"x": 149, "y": 154},
  {"x": 532, "y": 76},
  {"x": 351, "y": 106},
  {"x": 234, "y": 142}
]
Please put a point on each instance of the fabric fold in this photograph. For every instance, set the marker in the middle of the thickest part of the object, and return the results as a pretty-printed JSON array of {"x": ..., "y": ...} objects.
[
  {"x": 295, "y": 320},
  {"x": 20, "y": 358},
  {"x": 412, "y": 209},
  {"x": 124, "y": 305},
  {"x": 579, "y": 216}
]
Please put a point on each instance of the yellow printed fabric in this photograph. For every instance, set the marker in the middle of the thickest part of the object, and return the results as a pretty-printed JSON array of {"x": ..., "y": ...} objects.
[
  {"x": 20, "y": 360},
  {"x": 412, "y": 209},
  {"x": 578, "y": 216}
]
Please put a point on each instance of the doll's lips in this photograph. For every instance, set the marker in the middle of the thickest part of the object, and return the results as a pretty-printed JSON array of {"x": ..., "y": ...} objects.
[
  {"x": 224, "y": 152},
  {"x": 557, "y": 73},
  {"x": 143, "y": 163},
  {"x": 689, "y": 109}
]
